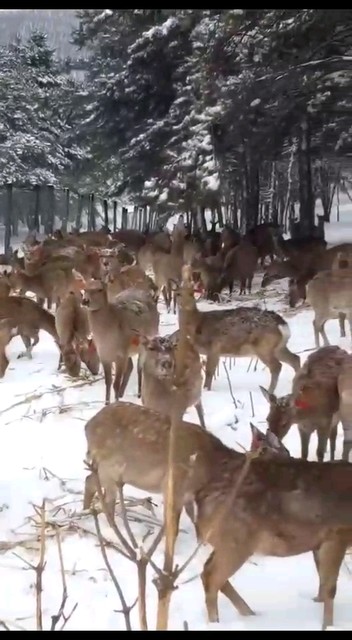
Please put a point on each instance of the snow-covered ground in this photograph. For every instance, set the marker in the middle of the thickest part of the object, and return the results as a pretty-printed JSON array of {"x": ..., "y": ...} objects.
[{"x": 43, "y": 446}]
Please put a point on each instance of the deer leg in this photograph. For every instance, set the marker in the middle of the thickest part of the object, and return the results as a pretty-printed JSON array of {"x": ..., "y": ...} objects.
[
  {"x": 330, "y": 557},
  {"x": 126, "y": 377},
  {"x": 200, "y": 412},
  {"x": 305, "y": 439},
  {"x": 333, "y": 435},
  {"x": 318, "y": 325},
  {"x": 323, "y": 437},
  {"x": 107, "y": 378},
  {"x": 60, "y": 362},
  {"x": 285, "y": 355},
  {"x": 109, "y": 487},
  {"x": 215, "y": 578},
  {"x": 166, "y": 298},
  {"x": 345, "y": 412},
  {"x": 28, "y": 344},
  {"x": 212, "y": 363},
  {"x": 123, "y": 369},
  {"x": 242, "y": 286},
  {"x": 90, "y": 489},
  {"x": 342, "y": 318},
  {"x": 274, "y": 366},
  {"x": 139, "y": 377}
]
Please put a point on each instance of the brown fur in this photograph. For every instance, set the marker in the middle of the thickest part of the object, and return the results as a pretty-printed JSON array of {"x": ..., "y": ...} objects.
[
  {"x": 283, "y": 507},
  {"x": 30, "y": 318},
  {"x": 8, "y": 330},
  {"x": 116, "y": 328},
  {"x": 315, "y": 390},
  {"x": 158, "y": 369},
  {"x": 330, "y": 295},
  {"x": 240, "y": 332},
  {"x": 71, "y": 321},
  {"x": 240, "y": 264}
]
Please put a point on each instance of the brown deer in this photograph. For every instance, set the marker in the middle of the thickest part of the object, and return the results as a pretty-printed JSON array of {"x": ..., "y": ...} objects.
[
  {"x": 281, "y": 507},
  {"x": 320, "y": 398},
  {"x": 158, "y": 369},
  {"x": 240, "y": 264},
  {"x": 129, "y": 276},
  {"x": 239, "y": 332},
  {"x": 116, "y": 328},
  {"x": 7, "y": 331},
  {"x": 129, "y": 445},
  {"x": 330, "y": 295},
  {"x": 167, "y": 268},
  {"x": 71, "y": 322},
  {"x": 30, "y": 318},
  {"x": 50, "y": 283}
]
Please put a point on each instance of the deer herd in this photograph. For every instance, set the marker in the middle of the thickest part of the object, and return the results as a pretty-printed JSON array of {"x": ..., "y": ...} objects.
[{"x": 102, "y": 310}]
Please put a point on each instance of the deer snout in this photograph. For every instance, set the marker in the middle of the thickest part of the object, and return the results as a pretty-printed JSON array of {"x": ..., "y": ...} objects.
[
  {"x": 267, "y": 279},
  {"x": 85, "y": 301},
  {"x": 165, "y": 367}
]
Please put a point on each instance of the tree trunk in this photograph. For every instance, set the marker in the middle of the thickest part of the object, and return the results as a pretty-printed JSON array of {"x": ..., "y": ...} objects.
[
  {"x": 251, "y": 192},
  {"x": 306, "y": 195}
]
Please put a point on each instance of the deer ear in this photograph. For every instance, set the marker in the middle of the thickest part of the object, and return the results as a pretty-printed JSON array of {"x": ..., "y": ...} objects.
[
  {"x": 275, "y": 443},
  {"x": 257, "y": 438},
  {"x": 256, "y": 433},
  {"x": 78, "y": 276},
  {"x": 269, "y": 397}
]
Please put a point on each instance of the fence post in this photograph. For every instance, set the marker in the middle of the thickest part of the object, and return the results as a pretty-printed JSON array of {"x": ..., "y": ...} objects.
[
  {"x": 66, "y": 210},
  {"x": 8, "y": 218},
  {"x": 115, "y": 215},
  {"x": 124, "y": 218},
  {"x": 78, "y": 221},
  {"x": 13, "y": 213},
  {"x": 50, "y": 215},
  {"x": 91, "y": 212},
  {"x": 106, "y": 213},
  {"x": 35, "y": 223}
]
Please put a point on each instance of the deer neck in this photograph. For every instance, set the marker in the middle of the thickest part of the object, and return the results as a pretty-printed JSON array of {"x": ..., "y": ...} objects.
[{"x": 189, "y": 316}]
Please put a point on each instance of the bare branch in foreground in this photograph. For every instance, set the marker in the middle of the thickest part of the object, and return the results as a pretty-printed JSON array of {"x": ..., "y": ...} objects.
[{"x": 55, "y": 619}]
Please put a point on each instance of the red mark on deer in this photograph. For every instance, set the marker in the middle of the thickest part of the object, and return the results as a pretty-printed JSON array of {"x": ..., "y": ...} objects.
[{"x": 302, "y": 404}]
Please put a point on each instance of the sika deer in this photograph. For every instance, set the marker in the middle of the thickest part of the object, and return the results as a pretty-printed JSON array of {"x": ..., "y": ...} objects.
[
  {"x": 281, "y": 507},
  {"x": 240, "y": 332},
  {"x": 314, "y": 403},
  {"x": 129, "y": 445},
  {"x": 240, "y": 264},
  {"x": 72, "y": 326},
  {"x": 167, "y": 268},
  {"x": 29, "y": 317},
  {"x": 50, "y": 282},
  {"x": 7, "y": 331},
  {"x": 129, "y": 276},
  {"x": 116, "y": 328},
  {"x": 330, "y": 294},
  {"x": 158, "y": 369}
]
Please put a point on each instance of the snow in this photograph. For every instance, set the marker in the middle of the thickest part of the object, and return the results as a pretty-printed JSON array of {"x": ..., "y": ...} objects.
[{"x": 43, "y": 447}]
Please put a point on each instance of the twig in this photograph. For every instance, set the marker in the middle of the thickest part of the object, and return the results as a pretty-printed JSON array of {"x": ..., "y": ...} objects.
[
  {"x": 37, "y": 396},
  {"x": 229, "y": 383},
  {"x": 126, "y": 610},
  {"x": 39, "y": 570},
  {"x": 252, "y": 405},
  {"x": 55, "y": 619}
]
